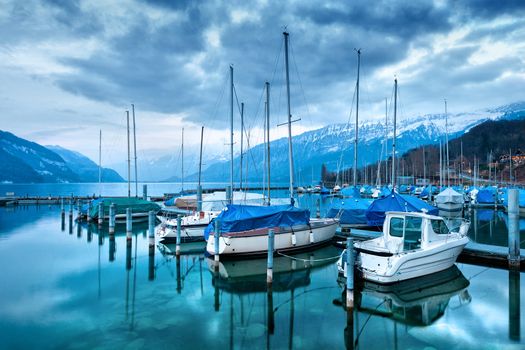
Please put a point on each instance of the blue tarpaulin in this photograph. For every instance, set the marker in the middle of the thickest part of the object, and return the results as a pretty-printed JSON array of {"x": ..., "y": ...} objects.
[
  {"x": 325, "y": 190},
  {"x": 352, "y": 192},
  {"x": 351, "y": 211},
  {"x": 485, "y": 196},
  {"x": 375, "y": 214},
  {"x": 238, "y": 218}
]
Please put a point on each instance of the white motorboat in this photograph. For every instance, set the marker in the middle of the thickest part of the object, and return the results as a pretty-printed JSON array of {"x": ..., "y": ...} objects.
[
  {"x": 412, "y": 245},
  {"x": 192, "y": 226},
  {"x": 449, "y": 200}
]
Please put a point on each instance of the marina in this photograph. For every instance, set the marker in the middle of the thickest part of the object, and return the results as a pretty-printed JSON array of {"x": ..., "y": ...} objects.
[{"x": 137, "y": 291}]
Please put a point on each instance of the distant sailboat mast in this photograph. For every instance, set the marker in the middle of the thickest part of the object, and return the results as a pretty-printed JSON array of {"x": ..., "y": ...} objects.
[
  {"x": 230, "y": 200},
  {"x": 290, "y": 150},
  {"x": 447, "y": 165},
  {"x": 182, "y": 162},
  {"x": 129, "y": 157},
  {"x": 356, "y": 118},
  {"x": 268, "y": 136},
  {"x": 135, "y": 151},
  {"x": 394, "y": 138},
  {"x": 242, "y": 141},
  {"x": 100, "y": 163}
]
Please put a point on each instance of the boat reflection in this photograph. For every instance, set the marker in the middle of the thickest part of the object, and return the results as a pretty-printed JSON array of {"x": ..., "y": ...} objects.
[{"x": 416, "y": 302}]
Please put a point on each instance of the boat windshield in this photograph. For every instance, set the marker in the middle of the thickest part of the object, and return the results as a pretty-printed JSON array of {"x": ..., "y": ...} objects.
[
  {"x": 408, "y": 228},
  {"x": 440, "y": 227}
]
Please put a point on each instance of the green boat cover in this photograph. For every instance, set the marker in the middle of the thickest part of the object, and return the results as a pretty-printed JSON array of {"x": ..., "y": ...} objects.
[{"x": 137, "y": 205}]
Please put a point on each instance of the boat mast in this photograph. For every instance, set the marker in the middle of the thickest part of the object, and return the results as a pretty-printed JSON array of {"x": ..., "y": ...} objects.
[
  {"x": 394, "y": 138},
  {"x": 356, "y": 118},
  {"x": 242, "y": 140},
  {"x": 290, "y": 150},
  {"x": 200, "y": 157},
  {"x": 230, "y": 200},
  {"x": 182, "y": 163},
  {"x": 129, "y": 159},
  {"x": 100, "y": 163},
  {"x": 440, "y": 165},
  {"x": 446, "y": 141},
  {"x": 386, "y": 141},
  {"x": 268, "y": 136},
  {"x": 135, "y": 151}
]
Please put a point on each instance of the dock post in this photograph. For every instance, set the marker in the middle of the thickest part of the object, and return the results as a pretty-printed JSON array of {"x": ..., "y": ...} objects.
[
  {"x": 89, "y": 234},
  {"x": 62, "y": 215},
  {"x": 229, "y": 194},
  {"x": 199, "y": 198},
  {"x": 79, "y": 230},
  {"x": 62, "y": 211},
  {"x": 216, "y": 235},
  {"x": 179, "y": 223},
  {"x": 151, "y": 228},
  {"x": 269, "y": 269},
  {"x": 318, "y": 209},
  {"x": 100, "y": 214},
  {"x": 112, "y": 218},
  {"x": 514, "y": 231},
  {"x": 79, "y": 209},
  {"x": 129, "y": 225},
  {"x": 349, "y": 273},
  {"x": 151, "y": 239},
  {"x": 112, "y": 247},
  {"x": 349, "y": 330},
  {"x": 179, "y": 280},
  {"x": 145, "y": 192},
  {"x": 88, "y": 211}
]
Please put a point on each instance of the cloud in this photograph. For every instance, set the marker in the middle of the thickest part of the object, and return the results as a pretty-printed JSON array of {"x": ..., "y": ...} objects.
[{"x": 171, "y": 59}]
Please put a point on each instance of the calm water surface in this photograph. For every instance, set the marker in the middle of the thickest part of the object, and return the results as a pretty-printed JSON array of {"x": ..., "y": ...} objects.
[{"x": 74, "y": 287}]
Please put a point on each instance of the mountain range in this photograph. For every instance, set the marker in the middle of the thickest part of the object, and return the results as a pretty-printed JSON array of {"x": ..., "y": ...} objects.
[
  {"x": 333, "y": 145},
  {"x": 24, "y": 161}
]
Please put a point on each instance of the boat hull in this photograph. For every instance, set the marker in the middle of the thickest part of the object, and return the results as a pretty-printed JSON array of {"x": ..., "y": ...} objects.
[
  {"x": 187, "y": 234},
  {"x": 410, "y": 264},
  {"x": 450, "y": 206},
  {"x": 255, "y": 242}
]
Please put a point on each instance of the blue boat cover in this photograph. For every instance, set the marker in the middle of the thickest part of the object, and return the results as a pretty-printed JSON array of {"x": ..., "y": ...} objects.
[
  {"x": 485, "y": 214},
  {"x": 375, "y": 214},
  {"x": 352, "y": 211},
  {"x": 170, "y": 202},
  {"x": 485, "y": 196},
  {"x": 238, "y": 218},
  {"x": 325, "y": 190},
  {"x": 351, "y": 192}
]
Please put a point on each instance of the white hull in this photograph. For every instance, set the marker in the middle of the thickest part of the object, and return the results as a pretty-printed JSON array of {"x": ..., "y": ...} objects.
[
  {"x": 256, "y": 242},
  {"x": 187, "y": 233},
  {"x": 407, "y": 265},
  {"x": 450, "y": 206}
]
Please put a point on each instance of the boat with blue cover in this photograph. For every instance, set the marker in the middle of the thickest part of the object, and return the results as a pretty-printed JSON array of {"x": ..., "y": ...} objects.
[{"x": 243, "y": 230}]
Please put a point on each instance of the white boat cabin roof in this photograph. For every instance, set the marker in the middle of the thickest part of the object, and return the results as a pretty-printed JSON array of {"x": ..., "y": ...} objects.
[{"x": 414, "y": 214}]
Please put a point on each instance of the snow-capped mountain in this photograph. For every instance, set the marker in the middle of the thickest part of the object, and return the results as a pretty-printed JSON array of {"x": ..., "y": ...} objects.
[{"x": 333, "y": 145}]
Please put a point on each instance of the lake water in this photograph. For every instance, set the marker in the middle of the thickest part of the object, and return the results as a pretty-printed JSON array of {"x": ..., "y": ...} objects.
[{"x": 74, "y": 287}]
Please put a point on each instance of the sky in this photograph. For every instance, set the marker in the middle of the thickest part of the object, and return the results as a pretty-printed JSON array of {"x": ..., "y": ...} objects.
[{"x": 71, "y": 68}]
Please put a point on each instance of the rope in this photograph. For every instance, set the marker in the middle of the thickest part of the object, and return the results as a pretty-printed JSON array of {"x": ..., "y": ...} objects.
[{"x": 308, "y": 260}]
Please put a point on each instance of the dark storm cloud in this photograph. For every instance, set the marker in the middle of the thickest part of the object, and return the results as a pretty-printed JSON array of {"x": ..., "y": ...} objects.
[{"x": 147, "y": 61}]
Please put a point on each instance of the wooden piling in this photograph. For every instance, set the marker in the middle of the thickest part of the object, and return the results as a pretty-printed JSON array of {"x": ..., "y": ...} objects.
[
  {"x": 88, "y": 211},
  {"x": 271, "y": 245},
  {"x": 349, "y": 273},
  {"x": 112, "y": 213},
  {"x": 151, "y": 228},
  {"x": 177, "y": 247},
  {"x": 100, "y": 213},
  {"x": 513, "y": 228},
  {"x": 129, "y": 224},
  {"x": 145, "y": 192},
  {"x": 216, "y": 235}
]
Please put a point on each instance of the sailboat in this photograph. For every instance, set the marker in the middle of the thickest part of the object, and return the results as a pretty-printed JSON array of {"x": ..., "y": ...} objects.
[{"x": 243, "y": 229}]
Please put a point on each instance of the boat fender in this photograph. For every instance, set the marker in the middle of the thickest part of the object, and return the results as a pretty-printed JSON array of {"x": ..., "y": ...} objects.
[
  {"x": 294, "y": 239},
  {"x": 312, "y": 238}
]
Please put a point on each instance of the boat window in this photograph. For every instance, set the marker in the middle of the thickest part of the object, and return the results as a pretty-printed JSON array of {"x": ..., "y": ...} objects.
[
  {"x": 440, "y": 227},
  {"x": 396, "y": 227},
  {"x": 412, "y": 233}
]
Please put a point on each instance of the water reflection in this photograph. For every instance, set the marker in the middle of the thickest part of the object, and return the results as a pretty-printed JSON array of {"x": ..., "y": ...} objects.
[{"x": 416, "y": 302}]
